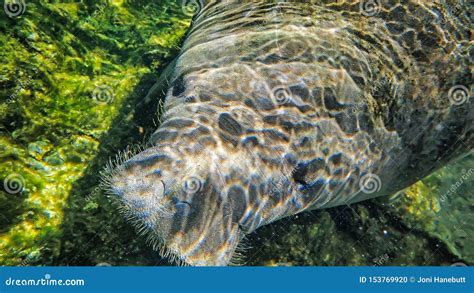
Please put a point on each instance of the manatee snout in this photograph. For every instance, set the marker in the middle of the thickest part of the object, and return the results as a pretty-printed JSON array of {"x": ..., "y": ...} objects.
[{"x": 185, "y": 211}]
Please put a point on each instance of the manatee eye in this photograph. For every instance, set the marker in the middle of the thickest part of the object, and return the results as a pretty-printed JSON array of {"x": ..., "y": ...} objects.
[{"x": 183, "y": 208}]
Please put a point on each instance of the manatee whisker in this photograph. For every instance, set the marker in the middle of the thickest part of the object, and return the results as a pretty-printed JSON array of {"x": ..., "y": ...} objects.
[
  {"x": 110, "y": 169},
  {"x": 273, "y": 109}
]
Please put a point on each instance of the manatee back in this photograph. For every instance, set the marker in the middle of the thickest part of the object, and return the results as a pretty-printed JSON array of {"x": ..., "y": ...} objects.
[{"x": 329, "y": 92}]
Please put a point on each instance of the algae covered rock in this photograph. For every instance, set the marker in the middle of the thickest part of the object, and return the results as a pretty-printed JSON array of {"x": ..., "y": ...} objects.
[
  {"x": 70, "y": 74},
  {"x": 73, "y": 77}
]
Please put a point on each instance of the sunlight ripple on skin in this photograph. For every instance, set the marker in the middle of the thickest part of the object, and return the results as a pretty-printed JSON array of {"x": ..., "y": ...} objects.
[{"x": 278, "y": 108}]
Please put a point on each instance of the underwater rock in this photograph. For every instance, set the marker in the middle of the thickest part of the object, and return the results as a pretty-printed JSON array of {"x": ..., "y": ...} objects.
[
  {"x": 72, "y": 79},
  {"x": 69, "y": 71}
]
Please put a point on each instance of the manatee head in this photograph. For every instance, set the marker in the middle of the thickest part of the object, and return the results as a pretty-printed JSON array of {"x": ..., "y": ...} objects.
[{"x": 191, "y": 212}]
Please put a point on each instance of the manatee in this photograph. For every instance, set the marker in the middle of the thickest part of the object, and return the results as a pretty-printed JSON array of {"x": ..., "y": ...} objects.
[{"x": 274, "y": 108}]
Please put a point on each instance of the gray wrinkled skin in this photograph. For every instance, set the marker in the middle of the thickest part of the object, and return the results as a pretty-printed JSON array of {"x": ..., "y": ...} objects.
[{"x": 275, "y": 108}]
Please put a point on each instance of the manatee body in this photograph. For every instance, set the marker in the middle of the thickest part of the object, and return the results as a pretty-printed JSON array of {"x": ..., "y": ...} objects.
[{"x": 274, "y": 108}]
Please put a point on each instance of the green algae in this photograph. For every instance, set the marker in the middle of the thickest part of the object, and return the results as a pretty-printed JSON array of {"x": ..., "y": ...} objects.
[
  {"x": 72, "y": 81},
  {"x": 68, "y": 71}
]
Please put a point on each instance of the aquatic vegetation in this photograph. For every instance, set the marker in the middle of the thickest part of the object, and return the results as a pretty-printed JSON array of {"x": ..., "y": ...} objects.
[
  {"x": 72, "y": 81},
  {"x": 67, "y": 72}
]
